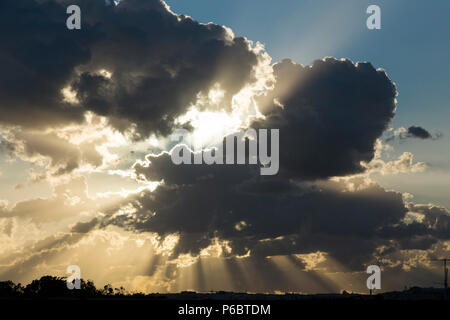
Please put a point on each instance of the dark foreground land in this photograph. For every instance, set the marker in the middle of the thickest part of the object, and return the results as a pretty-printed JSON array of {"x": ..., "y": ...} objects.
[{"x": 50, "y": 295}]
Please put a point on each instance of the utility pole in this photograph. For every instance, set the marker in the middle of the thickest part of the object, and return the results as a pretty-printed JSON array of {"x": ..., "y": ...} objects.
[
  {"x": 444, "y": 260},
  {"x": 445, "y": 275}
]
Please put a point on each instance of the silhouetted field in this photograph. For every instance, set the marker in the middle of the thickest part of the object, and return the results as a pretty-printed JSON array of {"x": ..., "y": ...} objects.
[
  {"x": 50, "y": 296},
  {"x": 49, "y": 287}
]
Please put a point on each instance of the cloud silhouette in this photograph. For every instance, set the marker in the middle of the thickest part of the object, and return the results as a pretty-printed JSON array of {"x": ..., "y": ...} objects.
[
  {"x": 418, "y": 132},
  {"x": 136, "y": 63},
  {"x": 329, "y": 114},
  {"x": 269, "y": 216}
]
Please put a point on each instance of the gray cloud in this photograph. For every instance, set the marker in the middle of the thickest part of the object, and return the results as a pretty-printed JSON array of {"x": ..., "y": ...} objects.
[
  {"x": 159, "y": 62},
  {"x": 419, "y": 132},
  {"x": 330, "y": 117},
  {"x": 416, "y": 132},
  {"x": 332, "y": 114},
  {"x": 37, "y": 59},
  {"x": 85, "y": 227},
  {"x": 280, "y": 216},
  {"x": 61, "y": 156}
]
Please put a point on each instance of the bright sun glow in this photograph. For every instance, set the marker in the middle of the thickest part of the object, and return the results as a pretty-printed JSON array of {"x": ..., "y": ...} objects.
[{"x": 209, "y": 127}]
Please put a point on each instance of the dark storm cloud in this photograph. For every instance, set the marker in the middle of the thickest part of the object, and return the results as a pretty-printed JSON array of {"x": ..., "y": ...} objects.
[
  {"x": 435, "y": 218},
  {"x": 267, "y": 215},
  {"x": 37, "y": 58},
  {"x": 159, "y": 62},
  {"x": 329, "y": 116},
  {"x": 332, "y": 113}
]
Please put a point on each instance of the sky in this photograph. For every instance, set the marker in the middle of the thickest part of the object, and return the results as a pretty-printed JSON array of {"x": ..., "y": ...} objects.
[{"x": 86, "y": 170}]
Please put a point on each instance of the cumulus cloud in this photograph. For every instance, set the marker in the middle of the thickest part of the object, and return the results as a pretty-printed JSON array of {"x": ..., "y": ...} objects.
[
  {"x": 131, "y": 72},
  {"x": 404, "y": 164},
  {"x": 329, "y": 114},
  {"x": 330, "y": 117},
  {"x": 63, "y": 151},
  {"x": 416, "y": 132},
  {"x": 266, "y": 221},
  {"x": 36, "y": 66},
  {"x": 435, "y": 218},
  {"x": 137, "y": 63},
  {"x": 281, "y": 217}
]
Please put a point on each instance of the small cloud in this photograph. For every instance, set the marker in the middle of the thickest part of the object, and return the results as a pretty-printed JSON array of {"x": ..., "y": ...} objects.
[
  {"x": 419, "y": 132},
  {"x": 413, "y": 132}
]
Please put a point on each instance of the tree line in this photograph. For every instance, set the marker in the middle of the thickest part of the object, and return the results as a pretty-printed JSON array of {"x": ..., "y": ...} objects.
[{"x": 50, "y": 286}]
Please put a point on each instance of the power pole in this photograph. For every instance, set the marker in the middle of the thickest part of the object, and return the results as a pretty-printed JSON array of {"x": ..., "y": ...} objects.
[
  {"x": 444, "y": 260},
  {"x": 445, "y": 275}
]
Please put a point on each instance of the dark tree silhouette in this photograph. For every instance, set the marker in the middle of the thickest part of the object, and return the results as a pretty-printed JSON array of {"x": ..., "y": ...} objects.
[
  {"x": 49, "y": 286},
  {"x": 10, "y": 289}
]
